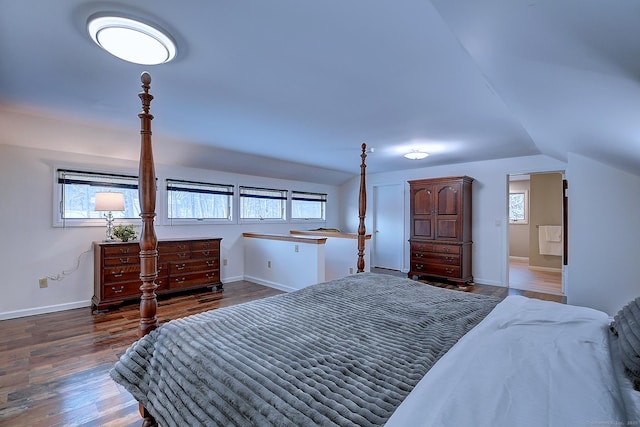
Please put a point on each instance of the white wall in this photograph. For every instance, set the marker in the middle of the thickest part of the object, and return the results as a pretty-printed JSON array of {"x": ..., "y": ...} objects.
[
  {"x": 604, "y": 235},
  {"x": 489, "y": 214},
  {"x": 284, "y": 264},
  {"x": 32, "y": 248}
]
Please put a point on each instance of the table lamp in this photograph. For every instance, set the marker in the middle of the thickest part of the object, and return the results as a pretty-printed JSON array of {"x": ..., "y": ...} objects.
[{"x": 109, "y": 202}]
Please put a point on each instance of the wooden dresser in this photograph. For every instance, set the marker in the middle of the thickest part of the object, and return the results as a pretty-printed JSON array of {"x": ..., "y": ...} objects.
[
  {"x": 183, "y": 264},
  {"x": 440, "y": 219}
]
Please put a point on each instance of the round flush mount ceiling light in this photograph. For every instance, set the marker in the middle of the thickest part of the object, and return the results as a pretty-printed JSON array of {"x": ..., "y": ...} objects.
[
  {"x": 416, "y": 154},
  {"x": 131, "y": 40}
]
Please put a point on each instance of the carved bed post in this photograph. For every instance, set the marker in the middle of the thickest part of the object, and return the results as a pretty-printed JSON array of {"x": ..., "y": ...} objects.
[
  {"x": 362, "y": 207},
  {"x": 148, "y": 240}
]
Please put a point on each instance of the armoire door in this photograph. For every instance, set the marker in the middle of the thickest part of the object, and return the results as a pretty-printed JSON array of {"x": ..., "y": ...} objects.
[{"x": 423, "y": 213}]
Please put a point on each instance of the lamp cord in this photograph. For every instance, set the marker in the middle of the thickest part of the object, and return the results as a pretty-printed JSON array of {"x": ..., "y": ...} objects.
[{"x": 65, "y": 273}]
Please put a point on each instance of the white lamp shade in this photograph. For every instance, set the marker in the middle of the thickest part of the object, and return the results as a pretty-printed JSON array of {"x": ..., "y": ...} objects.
[{"x": 109, "y": 201}]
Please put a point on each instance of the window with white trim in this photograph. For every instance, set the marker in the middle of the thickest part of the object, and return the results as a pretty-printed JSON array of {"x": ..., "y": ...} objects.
[
  {"x": 308, "y": 206},
  {"x": 262, "y": 203},
  {"x": 518, "y": 207},
  {"x": 200, "y": 201},
  {"x": 77, "y": 192}
]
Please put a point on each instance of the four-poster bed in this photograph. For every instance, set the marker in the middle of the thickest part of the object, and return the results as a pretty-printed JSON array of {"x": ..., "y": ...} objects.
[{"x": 369, "y": 349}]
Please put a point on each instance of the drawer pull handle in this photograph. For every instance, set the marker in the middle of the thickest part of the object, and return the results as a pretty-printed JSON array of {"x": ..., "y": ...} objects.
[
  {"x": 117, "y": 291},
  {"x": 124, "y": 250},
  {"x": 418, "y": 255},
  {"x": 419, "y": 267},
  {"x": 210, "y": 263},
  {"x": 180, "y": 280},
  {"x": 182, "y": 247},
  {"x": 206, "y": 245},
  {"x": 118, "y": 274},
  {"x": 124, "y": 260},
  {"x": 180, "y": 267},
  {"x": 205, "y": 253},
  {"x": 449, "y": 271},
  {"x": 182, "y": 254}
]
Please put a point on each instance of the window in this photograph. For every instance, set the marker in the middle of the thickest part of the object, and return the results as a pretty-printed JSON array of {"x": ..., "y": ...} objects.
[
  {"x": 77, "y": 193},
  {"x": 518, "y": 207},
  {"x": 262, "y": 203},
  {"x": 198, "y": 200},
  {"x": 308, "y": 205}
]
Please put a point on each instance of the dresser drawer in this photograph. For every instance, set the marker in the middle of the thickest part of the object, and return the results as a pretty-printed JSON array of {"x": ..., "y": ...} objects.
[
  {"x": 122, "y": 260},
  {"x": 163, "y": 269},
  {"x": 194, "y": 279},
  {"x": 436, "y": 269},
  {"x": 205, "y": 245},
  {"x": 162, "y": 282},
  {"x": 117, "y": 250},
  {"x": 169, "y": 247},
  {"x": 435, "y": 258},
  {"x": 122, "y": 273},
  {"x": 122, "y": 289},
  {"x": 422, "y": 247},
  {"x": 191, "y": 266},
  {"x": 205, "y": 253},
  {"x": 447, "y": 249},
  {"x": 174, "y": 256}
]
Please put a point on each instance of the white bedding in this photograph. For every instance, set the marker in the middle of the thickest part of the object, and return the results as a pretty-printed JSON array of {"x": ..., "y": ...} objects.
[{"x": 528, "y": 363}]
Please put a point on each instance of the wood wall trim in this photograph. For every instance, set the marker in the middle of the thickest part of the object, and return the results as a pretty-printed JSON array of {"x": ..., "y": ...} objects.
[{"x": 287, "y": 238}]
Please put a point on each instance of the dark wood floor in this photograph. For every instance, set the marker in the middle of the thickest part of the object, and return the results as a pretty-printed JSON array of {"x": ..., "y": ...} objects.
[
  {"x": 54, "y": 367},
  {"x": 496, "y": 291}
]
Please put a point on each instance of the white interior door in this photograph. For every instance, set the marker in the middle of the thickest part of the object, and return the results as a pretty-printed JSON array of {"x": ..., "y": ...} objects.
[{"x": 388, "y": 223}]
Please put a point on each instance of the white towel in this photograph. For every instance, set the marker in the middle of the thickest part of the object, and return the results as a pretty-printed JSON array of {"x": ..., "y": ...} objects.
[
  {"x": 550, "y": 240},
  {"x": 553, "y": 233}
]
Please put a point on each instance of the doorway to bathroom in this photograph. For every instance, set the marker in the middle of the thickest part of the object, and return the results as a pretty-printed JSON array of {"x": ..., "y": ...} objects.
[{"x": 536, "y": 212}]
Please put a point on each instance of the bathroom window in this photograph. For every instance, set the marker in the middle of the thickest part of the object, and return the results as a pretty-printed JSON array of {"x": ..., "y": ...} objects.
[{"x": 519, "y": 207}]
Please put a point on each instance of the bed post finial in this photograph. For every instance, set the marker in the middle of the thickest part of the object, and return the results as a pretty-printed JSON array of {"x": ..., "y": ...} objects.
[
  {"x": 147, "y": 194},
  {"x": 362, "y": 208}
]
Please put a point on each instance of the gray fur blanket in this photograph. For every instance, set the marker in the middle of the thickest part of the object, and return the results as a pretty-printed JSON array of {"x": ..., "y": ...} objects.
[{"x": 343, "y": 353}]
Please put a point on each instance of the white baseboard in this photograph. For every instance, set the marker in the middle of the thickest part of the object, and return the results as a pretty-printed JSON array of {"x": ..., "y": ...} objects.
[
  {"x": 43, "y": 310},
  {"x": 481, "y": 281},
  {"x": 519, "y": 258},
  {"x": 231, "y": 279},
  {"x": 553, "y": 269},
  {"x": 269, "y": 284}
]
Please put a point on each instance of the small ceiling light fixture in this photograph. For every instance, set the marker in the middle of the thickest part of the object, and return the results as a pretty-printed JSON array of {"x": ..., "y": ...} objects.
[
  {"x": 416, "y": 154},
  {"x": 131, "y": 40}
]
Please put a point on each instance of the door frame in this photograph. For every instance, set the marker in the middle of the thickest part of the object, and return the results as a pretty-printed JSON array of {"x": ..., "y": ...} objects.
[{"x": 565, "y": 226}]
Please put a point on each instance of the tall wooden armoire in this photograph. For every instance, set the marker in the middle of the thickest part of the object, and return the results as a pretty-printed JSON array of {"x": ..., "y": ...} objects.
[{"x": 440, "y": 218}]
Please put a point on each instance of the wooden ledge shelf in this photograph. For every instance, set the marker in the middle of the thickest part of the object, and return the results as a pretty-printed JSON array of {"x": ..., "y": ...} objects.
[
  {"x": 287, "y": 238},
  {"x": 328, "y": 234}
]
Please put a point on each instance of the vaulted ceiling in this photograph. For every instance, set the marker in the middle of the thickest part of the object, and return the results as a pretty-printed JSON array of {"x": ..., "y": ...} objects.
[{"x": 290, "y": 88}]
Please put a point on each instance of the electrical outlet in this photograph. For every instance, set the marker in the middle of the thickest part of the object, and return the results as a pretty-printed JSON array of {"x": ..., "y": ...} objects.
[
  {"x": 225, "y": 261},
  {"x": 297, "y": 248},
  {"x": 350, "y": 270},
  {"x": 43, "y": 282},
  {"x": 268, "y": 264}
]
